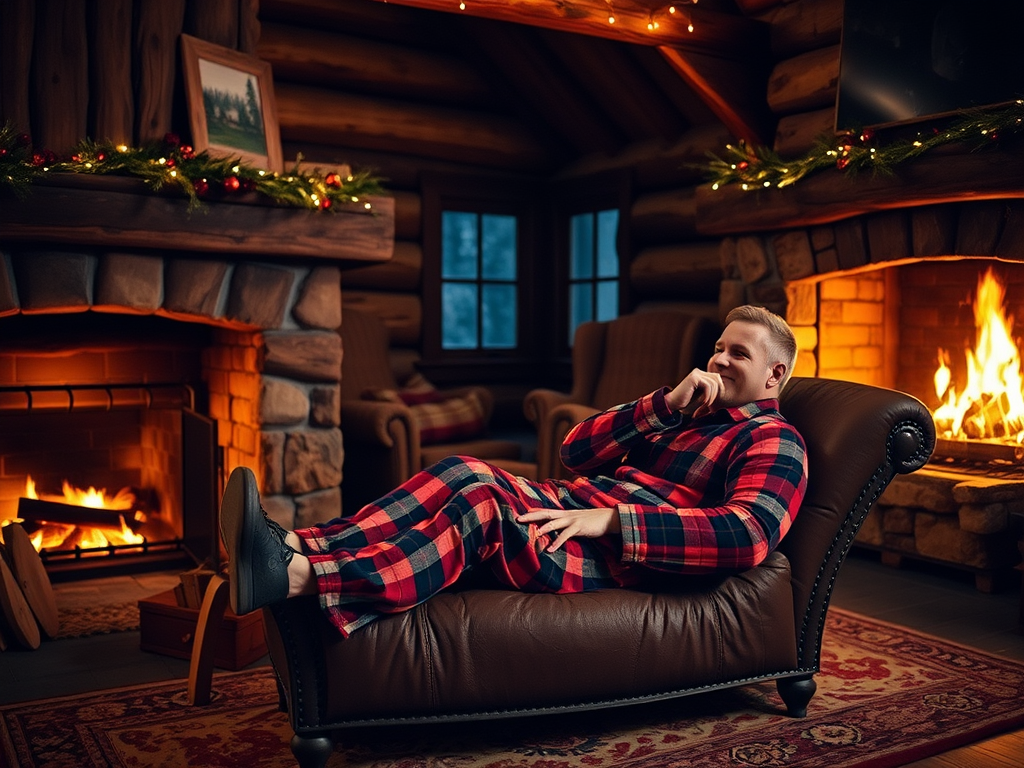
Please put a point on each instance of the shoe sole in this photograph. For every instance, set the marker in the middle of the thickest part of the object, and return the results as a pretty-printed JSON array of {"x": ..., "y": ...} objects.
[{"x": 240, "y": 495}]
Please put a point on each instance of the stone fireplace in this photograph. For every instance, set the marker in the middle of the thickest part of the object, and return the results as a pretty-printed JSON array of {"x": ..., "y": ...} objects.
[
  {"x": 136, "y": 356},
  {"x": 873, "y": 298}
]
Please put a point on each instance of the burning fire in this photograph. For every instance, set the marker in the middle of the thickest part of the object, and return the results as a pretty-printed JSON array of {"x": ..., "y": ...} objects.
[
  {"x": 991, "y": 405},
  {"x": 87, "y": 536}
]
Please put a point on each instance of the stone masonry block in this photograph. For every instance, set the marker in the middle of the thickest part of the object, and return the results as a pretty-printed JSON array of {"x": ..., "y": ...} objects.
[
  {"x": 129, "y": 280},
  {"x": 988, "y": 490},
  {"x": 923, "y": 490},
  {"x": 272, "y": 453},
  {"x": 801, "y": 303},
  {"x": 319, "y": 301},
  {"x": 325, "y": 406},
  {"x": 317, "y": 507},
  {"x": 312, "y": 460},
  {"x": 939, "y": 537},
  {"x": 193, "y": 287},
  {"x": 53, "y": 279},
  {"x": 984, "y": 518},
  {"x": 793, "y": 255},
  {"x": 259, "y": 295},
  {"x": 870, "y": 532},
  {"x": 751, "y": 259},
  {"x": 303, "y": 355},
  {"x": 282, "y": 403},
  {"x": 898, "y": 520},
  {"x": 280, "y": 509}
]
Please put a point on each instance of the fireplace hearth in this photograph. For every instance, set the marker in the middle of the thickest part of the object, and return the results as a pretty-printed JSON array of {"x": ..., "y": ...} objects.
[{"x": 99, "y": 325}]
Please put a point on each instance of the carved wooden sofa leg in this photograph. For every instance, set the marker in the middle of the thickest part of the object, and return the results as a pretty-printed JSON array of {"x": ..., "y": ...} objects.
[
  {"x": 796, "y": 692},
  {"x": 312, "y": 751}
]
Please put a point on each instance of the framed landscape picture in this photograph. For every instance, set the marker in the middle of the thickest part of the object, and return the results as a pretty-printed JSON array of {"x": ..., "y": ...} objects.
[{"x": 231, "y": 106}]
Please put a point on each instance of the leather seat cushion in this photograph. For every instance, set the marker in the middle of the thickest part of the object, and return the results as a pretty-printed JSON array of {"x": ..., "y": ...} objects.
[{"x": 473, "y": 650}]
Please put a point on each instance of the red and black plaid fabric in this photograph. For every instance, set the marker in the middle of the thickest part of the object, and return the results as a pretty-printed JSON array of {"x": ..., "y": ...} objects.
[{"x": 693, "y": 496}]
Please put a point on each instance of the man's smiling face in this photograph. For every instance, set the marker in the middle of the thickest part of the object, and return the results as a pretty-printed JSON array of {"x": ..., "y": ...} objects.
[{"x": 741, "y": 359}]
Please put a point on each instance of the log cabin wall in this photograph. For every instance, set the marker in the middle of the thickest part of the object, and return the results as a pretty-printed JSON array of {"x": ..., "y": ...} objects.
[{"x": 410, "y": 93}]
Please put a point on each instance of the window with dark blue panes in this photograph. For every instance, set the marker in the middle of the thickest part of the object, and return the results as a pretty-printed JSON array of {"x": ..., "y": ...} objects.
[
  {"x": 478, "y": 280},
  {"x": 593, "y": 268}
]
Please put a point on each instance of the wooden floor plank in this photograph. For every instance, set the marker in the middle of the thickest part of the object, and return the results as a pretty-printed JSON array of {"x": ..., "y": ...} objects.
[{"x": 1004, "y": 751}]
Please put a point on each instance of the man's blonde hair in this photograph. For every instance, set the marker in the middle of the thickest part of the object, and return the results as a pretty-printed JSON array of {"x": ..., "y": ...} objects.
[{"x": 782, "y": 345}]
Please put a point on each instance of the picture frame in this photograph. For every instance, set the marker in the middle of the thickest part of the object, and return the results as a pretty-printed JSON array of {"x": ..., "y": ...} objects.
[{"x": 231, "y": 104}]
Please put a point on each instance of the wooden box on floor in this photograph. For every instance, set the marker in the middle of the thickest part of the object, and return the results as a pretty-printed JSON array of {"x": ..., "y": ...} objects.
[{"x": 167, "y": 628}]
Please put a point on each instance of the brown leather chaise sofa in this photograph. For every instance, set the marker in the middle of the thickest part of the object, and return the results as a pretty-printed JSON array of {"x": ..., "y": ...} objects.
[{"x": 474, "y": 652}]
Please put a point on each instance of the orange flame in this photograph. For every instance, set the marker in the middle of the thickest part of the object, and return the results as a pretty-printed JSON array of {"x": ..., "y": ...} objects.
[
  {"x": 60, "y": 536},
  {"x": 991, "y": 405}
]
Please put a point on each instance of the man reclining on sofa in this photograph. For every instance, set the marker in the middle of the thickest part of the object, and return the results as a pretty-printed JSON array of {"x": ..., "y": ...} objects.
[{"x": 703, "y": 477}]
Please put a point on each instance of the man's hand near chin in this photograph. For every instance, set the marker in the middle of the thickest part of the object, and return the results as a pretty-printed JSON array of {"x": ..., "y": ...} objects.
[{"x": 696, "y": 394}]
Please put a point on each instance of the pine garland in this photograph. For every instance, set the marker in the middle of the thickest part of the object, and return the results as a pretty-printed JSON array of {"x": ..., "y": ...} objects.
[
  {"x": 857, "y": 151},
  {"x": 171, "y": 164}
]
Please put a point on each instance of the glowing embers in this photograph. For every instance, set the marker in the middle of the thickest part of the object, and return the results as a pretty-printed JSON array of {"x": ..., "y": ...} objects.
[
  {"x": 80, "y": 520},
  {"x": 991, "y": 403}
]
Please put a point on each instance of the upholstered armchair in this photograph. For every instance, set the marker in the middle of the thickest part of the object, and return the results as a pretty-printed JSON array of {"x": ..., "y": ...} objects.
[
  {"x": 614, "y": 362},
  {"x": 383, "y": 436}
]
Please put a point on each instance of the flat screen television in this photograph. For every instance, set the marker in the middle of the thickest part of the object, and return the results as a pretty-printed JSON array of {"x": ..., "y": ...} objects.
[{"x": 907, "y": 60}]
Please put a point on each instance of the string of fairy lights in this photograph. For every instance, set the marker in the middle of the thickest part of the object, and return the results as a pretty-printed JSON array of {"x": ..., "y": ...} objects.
[
  {"x": 754, "y": 168},
  {"x": 169, "y": 163},
  {"x": 654, "y": 15}
]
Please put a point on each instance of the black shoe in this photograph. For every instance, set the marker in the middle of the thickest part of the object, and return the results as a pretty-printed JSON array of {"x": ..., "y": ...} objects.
[{"x": 257, "y": 555}]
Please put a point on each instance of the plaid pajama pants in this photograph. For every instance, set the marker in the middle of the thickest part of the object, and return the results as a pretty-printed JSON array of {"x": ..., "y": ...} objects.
[{"x": 402, "y": 549}]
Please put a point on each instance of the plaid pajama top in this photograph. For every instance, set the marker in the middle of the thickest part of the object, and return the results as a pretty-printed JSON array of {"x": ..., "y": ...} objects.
[
  {"x": 693, "y": 495},
  {"x": 714, "y": 493}
]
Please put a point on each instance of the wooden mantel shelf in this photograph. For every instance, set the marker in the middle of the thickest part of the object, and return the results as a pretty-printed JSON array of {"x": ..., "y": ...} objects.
[
  {"x": 120, "y": 212},
  {"x": 833, "y": 195}
]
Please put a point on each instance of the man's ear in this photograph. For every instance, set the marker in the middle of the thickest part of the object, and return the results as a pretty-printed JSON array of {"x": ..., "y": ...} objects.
[{"x": 776, "y": 374}]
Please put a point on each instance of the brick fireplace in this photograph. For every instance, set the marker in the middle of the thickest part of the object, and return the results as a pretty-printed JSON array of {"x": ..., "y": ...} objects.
[
  {"x": 872, "y": 299},
  {"x": 121, "y": 337}
]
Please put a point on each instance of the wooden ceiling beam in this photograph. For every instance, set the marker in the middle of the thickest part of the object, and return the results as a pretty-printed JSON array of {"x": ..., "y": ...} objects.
[
  {"x": 730, "y": 91},
  {"x": 725, "y": 35}
]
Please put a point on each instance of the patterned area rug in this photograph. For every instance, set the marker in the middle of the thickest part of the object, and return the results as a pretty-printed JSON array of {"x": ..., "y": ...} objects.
[
  {"x": 886, "y": 697},
  {"x": 97, "y": 619}
]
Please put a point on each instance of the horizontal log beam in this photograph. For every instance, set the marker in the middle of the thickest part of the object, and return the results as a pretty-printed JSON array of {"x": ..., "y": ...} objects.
[
  {"x": 118, "y": 212},
  {"x": 333, "y": 59},
  {"x": 832, "y": 195},
  {"x": 323, "y": 116}
]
